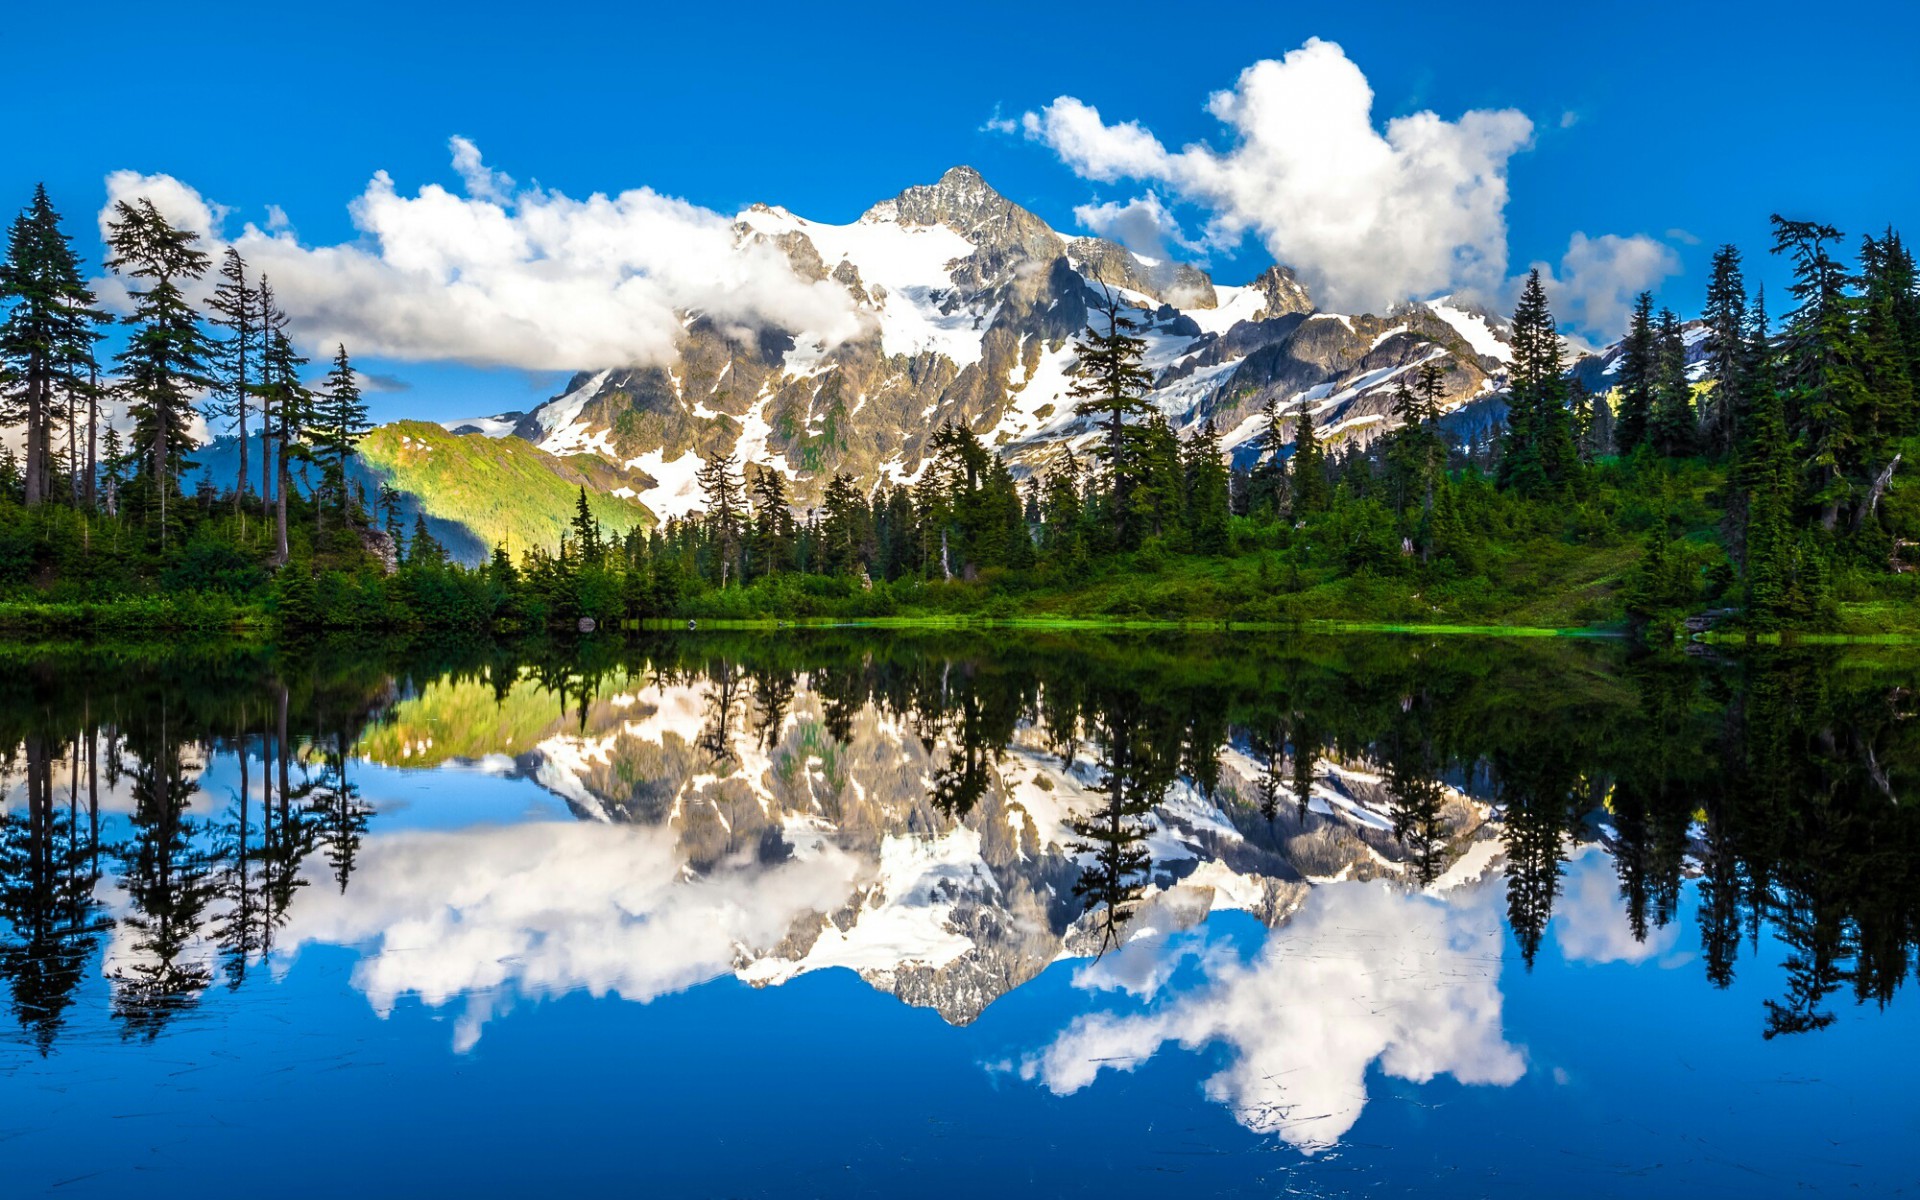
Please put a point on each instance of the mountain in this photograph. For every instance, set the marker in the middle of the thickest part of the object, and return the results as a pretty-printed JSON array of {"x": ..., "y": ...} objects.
[
  {"x": 969, "y": 306},
  {"x": 477, "y": 492},
  {"x": 946, "y": 905}
]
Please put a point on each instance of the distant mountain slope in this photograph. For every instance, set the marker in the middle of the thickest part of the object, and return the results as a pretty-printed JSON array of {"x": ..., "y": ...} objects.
[{"x": 487, "y": 491}]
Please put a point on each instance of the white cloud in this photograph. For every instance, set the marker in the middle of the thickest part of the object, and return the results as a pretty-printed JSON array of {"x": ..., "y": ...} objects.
[
  {"x": 483, "y": 183},
  {"x": 1599, "y": 277},
  {"x": 541, "y": 910},
  {"x": 1142, "y": 224},
  {"x": 1362, "y": 973},
  {"x": 531, "y": 279},
  {"x": 1366, "y": 216},
  {"x": 1590, "y": 920}
]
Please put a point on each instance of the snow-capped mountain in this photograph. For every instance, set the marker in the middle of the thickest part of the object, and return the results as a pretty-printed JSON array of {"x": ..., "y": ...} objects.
[
  {"x": 832, "y": 839},
  {"x": 969, "y": 308}
]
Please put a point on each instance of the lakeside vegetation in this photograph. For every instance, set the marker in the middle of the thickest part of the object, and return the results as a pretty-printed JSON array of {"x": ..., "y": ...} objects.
[{"x": 1754, "y": 486}]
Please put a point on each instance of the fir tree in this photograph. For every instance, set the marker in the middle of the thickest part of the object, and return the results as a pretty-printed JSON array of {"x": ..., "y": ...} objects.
[
  {"x": 235, "y": 306},
  {"x": 339, "y": 422},
  {"x": 46, "y": 343},
  {"x": 1638, "y": 354},
  {"x": 423, "y": 549},
  {"x": 1538, "y": 457},
  {"x": 287, "y": 399},
  {"x": 1307, "y": 477},
  {"x": 586, "y": 532},
  {"x": 720, "y": 486},
  {"x": 1726, "y": 350},
  {"x": 1108, "y": 383},
  {"x": 773, "y": 526},
  {"x": 1820, "y": 369},
  {"x": 167, "y": 354},
  {"x": 1208, "y": 517},
  {"x": 1673, "y": 429}
]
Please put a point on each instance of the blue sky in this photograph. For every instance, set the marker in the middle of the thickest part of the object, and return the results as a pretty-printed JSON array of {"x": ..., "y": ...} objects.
[{"x": 1682, "y": 126}]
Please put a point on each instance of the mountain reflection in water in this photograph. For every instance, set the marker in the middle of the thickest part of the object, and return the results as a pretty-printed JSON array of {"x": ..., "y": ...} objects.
[{"x": 949, "y": 817}]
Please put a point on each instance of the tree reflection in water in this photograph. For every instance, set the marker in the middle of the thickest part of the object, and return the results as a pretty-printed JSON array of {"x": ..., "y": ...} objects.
[{"x": 1093, "y": 777}]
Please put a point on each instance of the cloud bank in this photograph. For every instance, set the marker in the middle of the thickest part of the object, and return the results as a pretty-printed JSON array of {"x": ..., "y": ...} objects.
[
  {"x": 1362, "y": 973},
  {"x": 1367, "y": 215},
  {"x": 500, "y": 276}
]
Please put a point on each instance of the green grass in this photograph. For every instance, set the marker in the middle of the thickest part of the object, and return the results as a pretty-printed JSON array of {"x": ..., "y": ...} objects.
[{"x": 502, "y": 490}]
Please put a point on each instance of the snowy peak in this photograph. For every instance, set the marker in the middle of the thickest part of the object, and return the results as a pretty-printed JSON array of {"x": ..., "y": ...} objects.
[{"x": 967, "y": 308}]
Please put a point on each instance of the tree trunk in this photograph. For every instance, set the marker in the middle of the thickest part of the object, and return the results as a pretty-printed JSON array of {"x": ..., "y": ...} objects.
[
  {"x": 1880, "y": 484},
  {"x": 280, "y": 552},
  {"x": 93, "y": 433},
  {"x": 36, "y": 464}
]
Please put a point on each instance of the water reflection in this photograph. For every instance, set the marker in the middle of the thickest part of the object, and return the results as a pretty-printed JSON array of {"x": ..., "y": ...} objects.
[{"x": 948, "y": 817}]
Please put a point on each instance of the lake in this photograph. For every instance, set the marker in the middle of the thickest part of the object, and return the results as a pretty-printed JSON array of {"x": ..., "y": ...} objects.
[{"x": 863, "y": 913}]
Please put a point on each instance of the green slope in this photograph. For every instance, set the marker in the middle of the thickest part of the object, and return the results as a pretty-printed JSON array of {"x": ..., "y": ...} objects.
[{"x": 479, "y": 491}]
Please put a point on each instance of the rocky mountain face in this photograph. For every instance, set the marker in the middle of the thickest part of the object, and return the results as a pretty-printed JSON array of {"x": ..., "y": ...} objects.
[
  {"x": 954, "y": 864},
  {"x": 970, "y": 305}
]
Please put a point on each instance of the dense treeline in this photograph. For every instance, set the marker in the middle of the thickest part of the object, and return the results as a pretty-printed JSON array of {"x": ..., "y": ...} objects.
[
  {"x": 88, "y": 514},
  {"x": 1774, "y": 784},
  {"x": 1736, "y": 465}
]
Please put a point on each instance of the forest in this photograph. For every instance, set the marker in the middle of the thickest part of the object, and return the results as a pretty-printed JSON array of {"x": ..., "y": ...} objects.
[{"x": 1739, "y": 471}]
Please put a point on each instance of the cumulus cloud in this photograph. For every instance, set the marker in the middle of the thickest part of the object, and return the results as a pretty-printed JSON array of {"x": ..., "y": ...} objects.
[
  {"x": 1143, "y": 225},
  {"x": 1362, "y": 973},
  {"x": 541, "y": 910},
  {"x": 1590, "y": 921},
  {"x": 1598, "y": 277},
  {"x": 528, "y": 278},
  {"x": 1367, "y": 216}
]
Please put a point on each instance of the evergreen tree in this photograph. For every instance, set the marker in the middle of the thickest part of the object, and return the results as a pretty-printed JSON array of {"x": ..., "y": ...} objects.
[
  {"x": 287, "y": 399},
  {"x": 167, "y": 354},
  {"x": 1820, "y": 368},
  {"x": 423, "y": 549},
  {"x": 235, "y": 306},
  {"x": 46, "y": 343},
  {"x": 1538, "y": 457},
  {"x": 771, "y": 548},
  {"x": 1107, "y": 384},
  {"x": 720, "y": 486},
  {"x": 586, "y": 532},
  {"x": 339, "y": 422},
  {"x": 1638, "y": 363},
  {"x": 1673, "y": 429},
  {"x": 1726, "y": 350},
  {"x": 1208, "y": 516},
  {"x": 1307, "y": 475}
]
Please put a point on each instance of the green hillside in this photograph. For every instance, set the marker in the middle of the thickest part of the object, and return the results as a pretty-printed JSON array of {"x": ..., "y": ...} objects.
[{"x": 479, "y": 491}]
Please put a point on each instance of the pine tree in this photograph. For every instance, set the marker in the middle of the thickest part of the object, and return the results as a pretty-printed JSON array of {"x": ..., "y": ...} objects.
[
  {"x": 1207, "y": 501},
  {"x": 586, "y": 532},
  {"x": 1108, "y": 383},
  {"x": 773, "y": 526},
  {"x": 287, "y": 399},
  {"x": 1637, "y": 368},
  {"x": 1887, "y": 295},
  {"x": 423, "y": 549},
  {"x": 1726, "y": 350},
  {"x": 1824, "y": 386},
  {"x": 1673, "y": 429},
  {"x": 270, "y": 322},
  {"x": 1539, "y": 457},
  {"x": 339, "y": 422},
  {"x": 1307, "y": 475},
  {"x": 46, "y": 343},
  {"x": 720, "y": 486},
  {"x": 167, "y": 354},
  {"x": 235, "y": 306}
]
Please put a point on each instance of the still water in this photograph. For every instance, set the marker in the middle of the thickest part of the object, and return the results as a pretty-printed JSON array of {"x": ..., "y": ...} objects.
[{"x": 899, "y": 914}]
